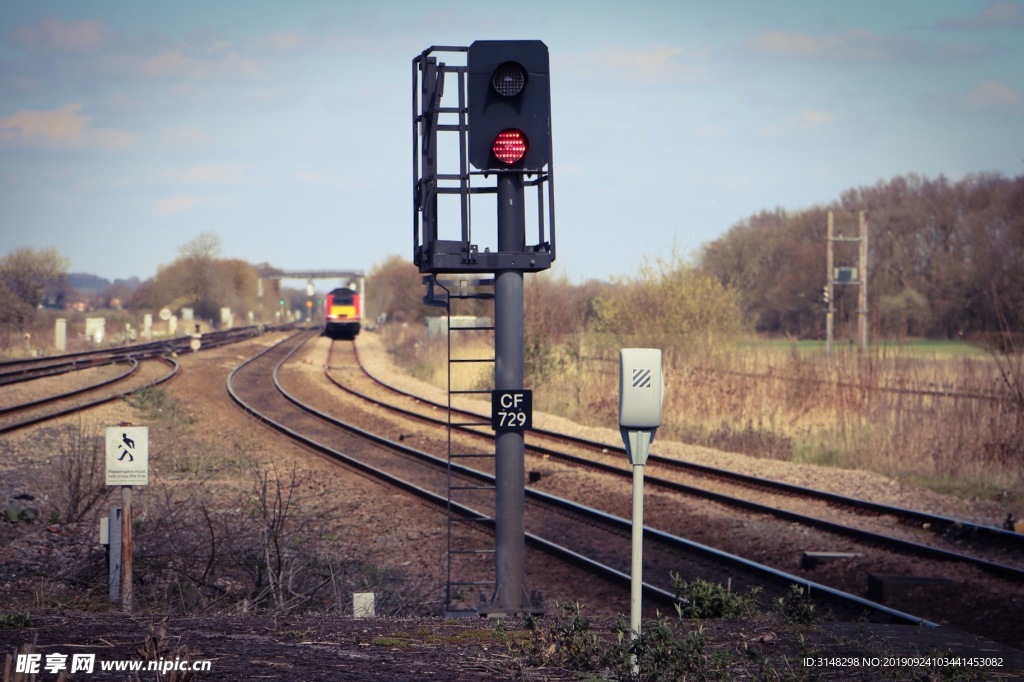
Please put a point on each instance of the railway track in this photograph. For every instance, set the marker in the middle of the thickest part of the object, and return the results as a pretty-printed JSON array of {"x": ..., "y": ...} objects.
[
  {"x": 972, "y": 590},
  {"x": 594, "y": 540},
  {"x": 948, "y": 536},
  {"x": 48, "y": 387},
  {"x": 140, "y": 374}
]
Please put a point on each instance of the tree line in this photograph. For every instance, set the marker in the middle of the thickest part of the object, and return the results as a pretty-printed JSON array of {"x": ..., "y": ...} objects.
[
  {"x": 199, "y": 278},
  {"x": 945, "y": 259}
]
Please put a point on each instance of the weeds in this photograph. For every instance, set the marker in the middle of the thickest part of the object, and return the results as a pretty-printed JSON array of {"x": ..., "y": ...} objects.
[
  {"x": 15, "y": 513},
  {"x": 704, "y": 599},
  {"x": 796, "y": 607},
  {"x": 156, "y": 647},
  {"x": 156, "y": 403},
  {"x": 565, "y": 640},
  {"x": 83, "y": 485},
  {"x": 15, "y": 620},
  {"x": 667, "y": 649},
  {"x": 263, "y": 546}
]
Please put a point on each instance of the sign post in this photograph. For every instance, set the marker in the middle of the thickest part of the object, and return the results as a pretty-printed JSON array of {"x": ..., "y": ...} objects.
[
  {"x": 127, "y": 465},
  {"x": 641, "y": 391}
]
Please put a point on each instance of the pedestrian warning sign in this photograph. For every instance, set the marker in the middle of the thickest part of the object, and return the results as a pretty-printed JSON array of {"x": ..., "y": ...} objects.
[{"x": 127, "y": 455}]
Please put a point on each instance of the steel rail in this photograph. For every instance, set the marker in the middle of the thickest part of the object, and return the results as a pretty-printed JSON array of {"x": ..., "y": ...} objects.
[
  {"x": 938, "y": 523},
  {"x": 907, "y": 546},
  {"x": 133, "y": 367},
  {"x": 44, "y": 370},
  {"x": 163, "y": 350},
  {"x": 92, "y": 403},
  {"x": 760, "y": 571},
  {"x": 11, "y": 370}
]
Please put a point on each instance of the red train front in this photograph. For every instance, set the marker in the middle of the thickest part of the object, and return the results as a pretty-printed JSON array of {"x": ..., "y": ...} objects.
[{"x": 344, "y": 313}]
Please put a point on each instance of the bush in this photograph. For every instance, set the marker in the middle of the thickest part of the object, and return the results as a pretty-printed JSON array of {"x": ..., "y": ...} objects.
[
  {"x": 796, "y": 607},
  {"x": 83, "y": 485},
  {"x": 670, "y": 306},
  {"x": 264, "y": 546},
  {"x": 565, "y": 640},
  {"x": 704, "y": 599}
]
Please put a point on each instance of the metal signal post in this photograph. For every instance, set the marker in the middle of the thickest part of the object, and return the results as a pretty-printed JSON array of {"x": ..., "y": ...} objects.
[{"x": 501, "y": 120}]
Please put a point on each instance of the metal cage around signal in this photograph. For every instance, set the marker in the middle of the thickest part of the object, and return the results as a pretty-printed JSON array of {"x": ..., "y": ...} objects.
[{"x": 474, "y": 122}]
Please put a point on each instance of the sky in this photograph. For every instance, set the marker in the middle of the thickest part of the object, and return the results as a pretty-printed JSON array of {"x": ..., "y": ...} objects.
[{"x": 285, "y": 128}]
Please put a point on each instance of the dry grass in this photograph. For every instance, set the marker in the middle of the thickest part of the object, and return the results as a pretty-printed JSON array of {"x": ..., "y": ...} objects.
[
  {"x": 880, "y": 411},
  {"x": 426, "y": 357},
  {"x": 870, "y": 411}
]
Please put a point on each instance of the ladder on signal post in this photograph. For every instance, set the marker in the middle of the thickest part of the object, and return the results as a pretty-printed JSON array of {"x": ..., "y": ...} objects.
[{"x": 470, "y": 570}]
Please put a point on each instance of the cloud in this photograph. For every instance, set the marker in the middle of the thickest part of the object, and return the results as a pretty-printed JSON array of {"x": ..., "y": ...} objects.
[
  {"x": 806, "y": 122},
  {"x": 66, "y": 128},
  {"x": 281, "y": 42},
  {"x": 321, "y": 180},
  {"x": 658, "y": 65},
  {"x": 996, "y": 14},
  {"x": 174, "y": 204},
  {"x": 854, "y": 45},
  {"x": 51, "y": 34},
  {"x": 88, "y": 50},
  {"x": 176, "y": 64},
  {"x": 185, "y": 137},
  {"x": 992, "y": 97},
  {"x": 211, "y": 174}
]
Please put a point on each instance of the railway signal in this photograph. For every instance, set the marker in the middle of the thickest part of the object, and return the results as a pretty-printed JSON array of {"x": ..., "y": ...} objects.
[
  {"x": 500, "y": 113},
  {"x": 509, "y": 101}
]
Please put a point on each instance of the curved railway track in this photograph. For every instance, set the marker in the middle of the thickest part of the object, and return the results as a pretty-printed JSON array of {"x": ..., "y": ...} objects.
[
  {"x": 141, "y": 374},
  {"x": 593, "y": 539},
  {"x": 42, "y": 384},
  {"x": 976, "y": 586}
]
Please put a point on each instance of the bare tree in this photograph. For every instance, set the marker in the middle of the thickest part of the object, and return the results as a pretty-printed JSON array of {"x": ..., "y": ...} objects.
[
  {"x": 394, "y": 288},
  {"x": 25, "y": 275},
  {"x": 198, "y": 260}
]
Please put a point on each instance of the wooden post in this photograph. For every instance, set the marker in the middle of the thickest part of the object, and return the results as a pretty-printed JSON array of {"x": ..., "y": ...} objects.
[
  {"x": 114, "y": 554},
  {"x": 126, "y": 548},
  {"x": 862, "y": 307},
  {"x": 127, "y": 465},
  {"x": 829, "y": 292}
]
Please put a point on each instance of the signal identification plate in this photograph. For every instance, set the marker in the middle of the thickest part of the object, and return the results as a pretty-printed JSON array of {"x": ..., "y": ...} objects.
[{"x": 511, "y": 410}]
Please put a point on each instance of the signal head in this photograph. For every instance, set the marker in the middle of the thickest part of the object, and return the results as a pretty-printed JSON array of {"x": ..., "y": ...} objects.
[{"x": 509, "y": 103}]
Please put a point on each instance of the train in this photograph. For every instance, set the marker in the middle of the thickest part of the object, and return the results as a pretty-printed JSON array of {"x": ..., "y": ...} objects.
[{"x": 344, "y": 313}]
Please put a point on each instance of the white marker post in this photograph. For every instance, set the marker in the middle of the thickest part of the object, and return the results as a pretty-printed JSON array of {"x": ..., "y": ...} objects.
[
  {"x": 127, "y": 465},
  {"x": 641, "y": 391}
]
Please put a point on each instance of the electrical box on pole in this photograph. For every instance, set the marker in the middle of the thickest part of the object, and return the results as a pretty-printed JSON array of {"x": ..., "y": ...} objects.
[
  {"x": 641, "y": 388},
  {"x": 641, "y": 392},
  {"x": 847, "y": 275}
]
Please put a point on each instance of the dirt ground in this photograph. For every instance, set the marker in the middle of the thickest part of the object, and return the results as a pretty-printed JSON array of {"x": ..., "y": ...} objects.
[{"x": 39, "y": 605}]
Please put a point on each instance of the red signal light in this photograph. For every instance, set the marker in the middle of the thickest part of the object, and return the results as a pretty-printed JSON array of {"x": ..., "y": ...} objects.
[{"x": 510, "y": 146}]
